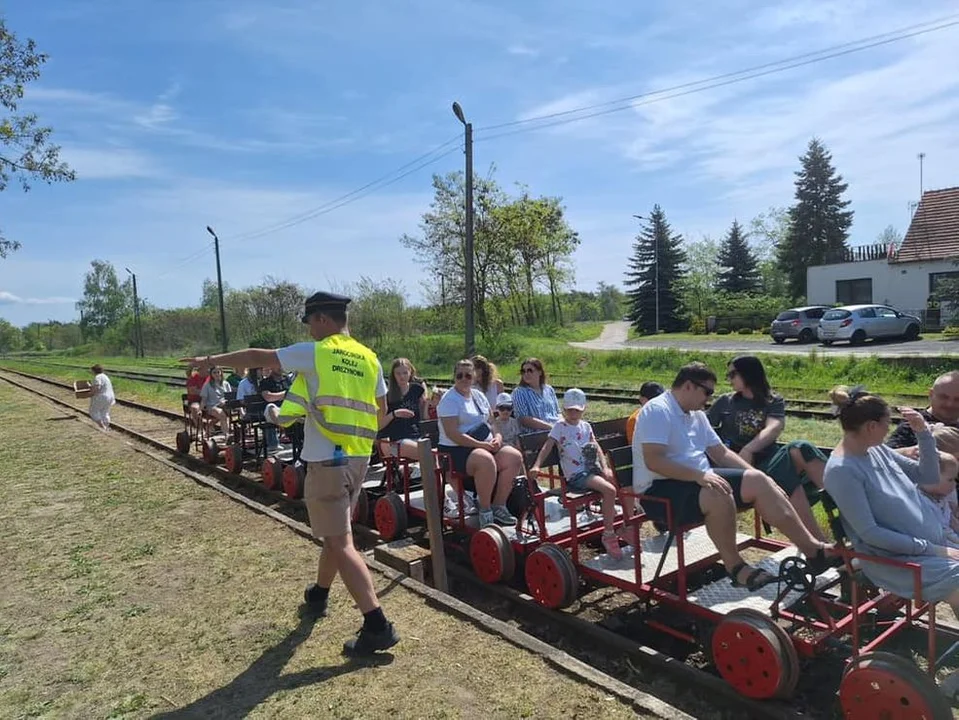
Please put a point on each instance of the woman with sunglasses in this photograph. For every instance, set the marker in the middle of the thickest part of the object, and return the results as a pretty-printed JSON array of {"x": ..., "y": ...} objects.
[
  {"x": 750, "y": 420},
  {"x": 213, "y": 398},
  {"x": 534, "y": 401},
  {"x": 465, "y": 425}
]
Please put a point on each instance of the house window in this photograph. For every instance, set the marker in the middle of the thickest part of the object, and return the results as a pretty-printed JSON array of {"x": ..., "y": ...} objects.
[
  {"x": 854, "y": 292},
  {"x": 936, "y": 278}
]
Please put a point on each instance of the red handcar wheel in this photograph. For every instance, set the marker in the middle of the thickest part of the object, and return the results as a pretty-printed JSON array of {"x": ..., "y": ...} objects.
[
  {"x": 211, "y": 451},
  {"x": 389, "y": 516},
  {"x": 551, "y": 576},
  {"x": 751, "y": 657},
  {"x": 883, "y": 685},
  {"x": 491, "y": 555},
  {"x": 361, "y": 511},
  {"x": 294, "y": 477},
  {"x": 234, "y": 459},
  {"x": 183, "y": 441},
  {"x": 272, "y": 472}
]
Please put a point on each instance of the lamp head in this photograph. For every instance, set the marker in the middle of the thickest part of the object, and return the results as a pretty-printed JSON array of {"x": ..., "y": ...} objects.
[
  {"x": 458, "y": 112},
  {"x": 210, "y": 230}
]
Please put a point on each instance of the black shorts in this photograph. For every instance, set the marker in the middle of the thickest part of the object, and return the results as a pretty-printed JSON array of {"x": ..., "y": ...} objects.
[
  {"x": 459, "y": 455},
  {"x": 683, "y": 498}
]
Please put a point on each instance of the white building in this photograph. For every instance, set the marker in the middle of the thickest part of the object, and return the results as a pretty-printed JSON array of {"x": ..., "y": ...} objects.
[{"x": 905, "y": 277}]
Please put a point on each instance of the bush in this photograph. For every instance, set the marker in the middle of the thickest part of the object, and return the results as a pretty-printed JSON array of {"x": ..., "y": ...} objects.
[
  {"x": 745, "y": 331},
  {"x": 697, "y": 327},
  {"x": 950, "y": 332},
  {"x": 722, "y": 331}
]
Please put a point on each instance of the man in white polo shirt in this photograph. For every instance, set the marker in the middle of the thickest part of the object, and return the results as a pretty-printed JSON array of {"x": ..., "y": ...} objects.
[{"x": 673, "y": 444}]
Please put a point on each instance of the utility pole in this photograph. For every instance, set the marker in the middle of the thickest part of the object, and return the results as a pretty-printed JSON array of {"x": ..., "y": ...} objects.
[
  {"x": 470, "y": 330},
  {"x": 656, "y": 269},
  {"x": 219, "y": 286},
  {"x": 137, "y": 334}
]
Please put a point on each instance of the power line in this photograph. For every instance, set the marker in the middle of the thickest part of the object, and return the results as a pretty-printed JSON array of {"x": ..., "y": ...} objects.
[
  {"x": 182, "y": 262},
  {"x": 362, "y": 191},
  {"x": 716, "y": 81}
]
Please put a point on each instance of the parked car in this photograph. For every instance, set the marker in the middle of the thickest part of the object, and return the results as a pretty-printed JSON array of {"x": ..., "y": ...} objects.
[
  {"x": 800, "y": 323},
  {"x": 857, "y": 323}
]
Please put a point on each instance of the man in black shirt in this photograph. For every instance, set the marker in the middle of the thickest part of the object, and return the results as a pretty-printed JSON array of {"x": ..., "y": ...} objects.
[
  {"x": 943, "y": 408},
  {"x": 273, "y": 389}
]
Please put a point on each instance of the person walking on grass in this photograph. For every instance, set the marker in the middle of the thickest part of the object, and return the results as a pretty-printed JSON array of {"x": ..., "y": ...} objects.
[
  {"x": 583, "y": 463},
  {"x": 102, "y": 398},
  {"x": 344, "y": 406}
]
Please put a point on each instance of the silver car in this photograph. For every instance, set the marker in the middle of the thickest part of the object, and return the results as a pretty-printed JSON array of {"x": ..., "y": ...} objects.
[
  {"x": 858, "y": 323},
  {"x": 800, "y": 323}
]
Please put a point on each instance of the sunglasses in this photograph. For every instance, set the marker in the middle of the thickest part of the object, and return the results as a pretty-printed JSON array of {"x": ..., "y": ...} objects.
[
  {"x": 527, "y": 370},
  {"x": 464, "y": 376},
  {"x": 705, "y": 388},
  {"x": 731, "y": 374}
]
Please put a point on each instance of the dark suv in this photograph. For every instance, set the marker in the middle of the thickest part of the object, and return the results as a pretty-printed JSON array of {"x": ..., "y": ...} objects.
[{"x": 800, "y": 323}]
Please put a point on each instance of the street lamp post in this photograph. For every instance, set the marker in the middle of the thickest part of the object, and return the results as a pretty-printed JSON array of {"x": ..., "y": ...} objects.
[
  {"x": 219, "y": 286},
  {"x": 656, "y": 266},
  {"x": 470, "y": 330},
  {"x": 137, "y": 334}
]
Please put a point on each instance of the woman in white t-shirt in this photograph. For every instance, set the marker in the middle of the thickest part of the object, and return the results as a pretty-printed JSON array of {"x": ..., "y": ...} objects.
[
  {"x": 466, "y": 435},
  {"x": 102, "y": 398}
]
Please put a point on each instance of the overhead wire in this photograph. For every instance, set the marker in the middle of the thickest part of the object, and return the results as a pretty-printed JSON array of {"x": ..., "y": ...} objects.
[{"x": 618, "y": 105}]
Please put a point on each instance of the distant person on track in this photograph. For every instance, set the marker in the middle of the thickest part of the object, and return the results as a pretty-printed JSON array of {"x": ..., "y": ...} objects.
[
  {"x": 249, "y": 384},
  {"x": 878, "y": 493},
  {"x": 346, "y": 401},
  {"x": 196, "y": 378},
  {"x": 534, "y": 401},
  {"x": 750, "y": 420},
  {"x": 102, "y": 398},
  {"x": 672, "y": 449},
  {"x": 406, "y": 406},
  {"x": 273, "y": 388}
]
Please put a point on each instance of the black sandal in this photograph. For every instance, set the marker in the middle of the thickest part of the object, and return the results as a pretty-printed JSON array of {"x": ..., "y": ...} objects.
[
  {"x": 819, "y": 563},
  {"x": 752, "y": 582}
]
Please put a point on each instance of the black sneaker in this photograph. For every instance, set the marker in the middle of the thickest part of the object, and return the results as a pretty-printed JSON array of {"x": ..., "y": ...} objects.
[
  {"x": 315, "y": 606},
  {"x": 368, "y": 642}
]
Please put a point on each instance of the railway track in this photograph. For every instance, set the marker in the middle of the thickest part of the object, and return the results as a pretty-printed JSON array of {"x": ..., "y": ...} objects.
[
  {"x": 798, "y": 408},
  {"x": 617, "y": 652}
]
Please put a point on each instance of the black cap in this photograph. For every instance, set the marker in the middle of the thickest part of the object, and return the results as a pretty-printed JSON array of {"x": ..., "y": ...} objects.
[{"x": 324, "y": 301}]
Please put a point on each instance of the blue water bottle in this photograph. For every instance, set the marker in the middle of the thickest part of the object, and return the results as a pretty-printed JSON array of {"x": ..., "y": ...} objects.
[{"x": 338, "y": 457}]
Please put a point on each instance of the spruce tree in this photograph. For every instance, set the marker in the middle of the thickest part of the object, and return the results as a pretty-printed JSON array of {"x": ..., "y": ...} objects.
[
  {"x": 655, "y": 242},
  {"x": 819, "y": 221},
  {"x": 739, "y": 270}
]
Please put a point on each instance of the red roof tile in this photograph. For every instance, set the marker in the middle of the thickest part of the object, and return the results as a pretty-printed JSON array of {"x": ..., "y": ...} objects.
[{"x": 934, "y": 231}]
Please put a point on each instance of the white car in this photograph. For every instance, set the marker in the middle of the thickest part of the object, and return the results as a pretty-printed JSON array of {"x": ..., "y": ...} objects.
[{"x": 858, "y": 323}]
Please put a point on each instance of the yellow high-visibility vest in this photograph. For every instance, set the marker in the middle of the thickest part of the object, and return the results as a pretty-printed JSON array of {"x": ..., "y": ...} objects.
[
  {"x": 291, "y": 411},
  {"x": 343, "y": 408}
]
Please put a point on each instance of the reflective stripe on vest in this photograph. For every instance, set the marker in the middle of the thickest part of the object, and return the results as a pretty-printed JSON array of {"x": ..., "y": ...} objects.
[
  {"x": 346, "y": 412},
  {"x": 291, "y": 411}
]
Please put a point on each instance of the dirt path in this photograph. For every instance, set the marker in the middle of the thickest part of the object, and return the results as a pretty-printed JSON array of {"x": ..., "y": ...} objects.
[{"x": 129, "y": 591}]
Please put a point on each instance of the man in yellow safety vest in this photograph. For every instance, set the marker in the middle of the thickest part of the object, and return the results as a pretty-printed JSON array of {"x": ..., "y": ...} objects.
[{"x": 341, "y": 393}]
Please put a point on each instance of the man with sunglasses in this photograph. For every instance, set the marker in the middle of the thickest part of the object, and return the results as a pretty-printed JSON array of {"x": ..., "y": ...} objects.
[
  {"x": 688, "y": 476},
  {"x": 341, "y": 391}
]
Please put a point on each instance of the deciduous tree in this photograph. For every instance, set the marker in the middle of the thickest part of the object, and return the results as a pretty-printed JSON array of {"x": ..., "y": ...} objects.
[
  {"x": 26, "y": 152},
  {"x": 105, "y": 299}
]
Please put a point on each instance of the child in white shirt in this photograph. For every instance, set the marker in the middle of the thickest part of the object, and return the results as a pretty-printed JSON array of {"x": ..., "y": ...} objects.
[{"x": 583, "y": 462}]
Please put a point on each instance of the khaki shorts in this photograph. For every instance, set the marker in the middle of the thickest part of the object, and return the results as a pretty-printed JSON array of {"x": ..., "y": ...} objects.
[{"x": 331, "y": 493}]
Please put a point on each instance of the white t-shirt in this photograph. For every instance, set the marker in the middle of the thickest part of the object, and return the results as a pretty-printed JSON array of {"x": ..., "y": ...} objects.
[
  {"x": 301, "y": 358},
  {"x": 103, "y": 384},
  {"x": 468, "y": 411},
  {"x": 686, "y": 436},
  {"x": 570, "y": 440}
]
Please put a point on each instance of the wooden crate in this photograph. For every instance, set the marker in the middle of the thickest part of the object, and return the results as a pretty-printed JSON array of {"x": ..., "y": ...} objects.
[{"x": 82, "y": 389}]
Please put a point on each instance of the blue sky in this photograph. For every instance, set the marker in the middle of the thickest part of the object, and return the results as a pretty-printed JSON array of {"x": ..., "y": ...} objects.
[{"x": 243, "y": 114}]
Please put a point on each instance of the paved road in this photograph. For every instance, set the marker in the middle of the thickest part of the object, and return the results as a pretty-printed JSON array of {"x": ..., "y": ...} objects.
[{"x": 614, "y": 337}]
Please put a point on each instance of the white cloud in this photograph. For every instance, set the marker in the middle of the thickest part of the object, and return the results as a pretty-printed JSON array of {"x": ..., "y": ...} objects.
[
  {"x": 523, "y": 50},
  {"x": 109, "y": 163},
  {"x": 8, "y": 298}
]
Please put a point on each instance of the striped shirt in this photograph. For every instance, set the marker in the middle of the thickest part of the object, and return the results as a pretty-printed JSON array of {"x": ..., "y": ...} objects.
[{"x": 540, "y": 405}]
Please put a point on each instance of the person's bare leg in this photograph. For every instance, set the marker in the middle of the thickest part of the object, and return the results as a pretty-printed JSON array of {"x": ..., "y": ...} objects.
[
  {"x": 482, "y": 468},
  {"x": 800, "y": 504},
  {"x": 509, "y": 463},
  {"x": 354, "y": 572},
  {"x": 758, "y": 489},
  {"x": 719, "y": 510},
  {"x": 327, "y": 569}
]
